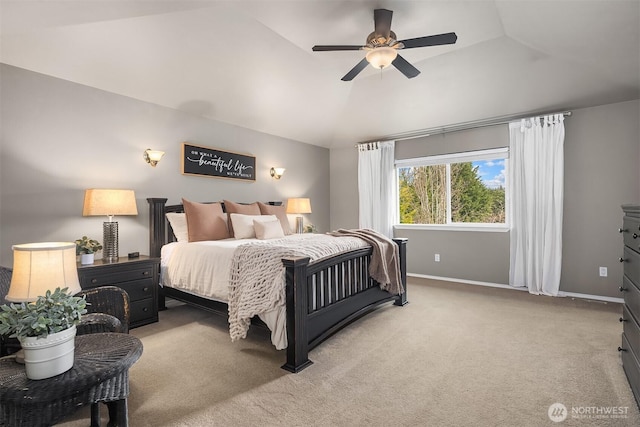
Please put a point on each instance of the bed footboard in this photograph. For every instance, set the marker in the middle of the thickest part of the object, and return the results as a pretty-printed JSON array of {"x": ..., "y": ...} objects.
[{"x": 325, "y": 296}]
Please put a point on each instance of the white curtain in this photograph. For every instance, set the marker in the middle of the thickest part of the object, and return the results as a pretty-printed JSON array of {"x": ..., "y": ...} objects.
[
  {"x": 377, "y": 186},
  {"x": 537, "y": 187}
]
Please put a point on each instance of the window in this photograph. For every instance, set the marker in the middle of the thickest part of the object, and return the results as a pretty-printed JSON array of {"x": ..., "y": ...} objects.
[{"x": 455, "y": 189}]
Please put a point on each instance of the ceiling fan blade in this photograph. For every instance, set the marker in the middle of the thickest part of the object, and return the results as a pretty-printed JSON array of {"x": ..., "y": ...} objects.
[
  {"x": 405, "y": 68},
  {"x": 382, "y": 21},
  {"x": 327, "y": 48},
  {"x": 436, "y": 40},
  {"x": 355, "y": 70}
]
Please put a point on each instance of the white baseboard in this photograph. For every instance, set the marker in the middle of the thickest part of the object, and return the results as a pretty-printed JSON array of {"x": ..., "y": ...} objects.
[{"x": 498, "y": 285}]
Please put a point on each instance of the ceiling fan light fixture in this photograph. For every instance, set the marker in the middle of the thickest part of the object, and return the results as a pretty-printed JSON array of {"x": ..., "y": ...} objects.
[{"x": 381, "y": 57}]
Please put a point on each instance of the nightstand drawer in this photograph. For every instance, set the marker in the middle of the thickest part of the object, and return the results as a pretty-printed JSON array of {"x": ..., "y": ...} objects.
[
  {"x": 137, "y": 276},
  {"x": 631, "y": 232},
  {"x": 142, "y": 312},
  {"x": 92, "y": 279},
  {"x": 138, "y": 289}
]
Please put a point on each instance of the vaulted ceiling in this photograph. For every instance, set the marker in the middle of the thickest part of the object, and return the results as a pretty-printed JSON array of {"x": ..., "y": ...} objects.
[{"x": 249, "y": 63}]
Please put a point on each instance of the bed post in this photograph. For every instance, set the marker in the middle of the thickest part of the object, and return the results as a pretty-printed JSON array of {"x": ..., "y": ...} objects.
[
  {"x": 157, "y": 232},
  {"x": 402, "y": 251},
  {"x": 157, "y": 237},
  {"x": 297, "y": 312}
]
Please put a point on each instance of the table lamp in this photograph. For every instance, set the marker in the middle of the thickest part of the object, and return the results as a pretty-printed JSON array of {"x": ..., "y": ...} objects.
[
  {"x": 38, "y": 267},
  {"x": 298, "y": 206},
  {"x": 109, "y": 202}
]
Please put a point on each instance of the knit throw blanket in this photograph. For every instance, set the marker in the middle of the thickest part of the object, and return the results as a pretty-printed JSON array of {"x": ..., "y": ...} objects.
[{"x": 257, "y": 277}]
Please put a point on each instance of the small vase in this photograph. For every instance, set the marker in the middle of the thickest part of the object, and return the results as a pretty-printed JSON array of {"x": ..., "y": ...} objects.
[
  {"x": 51, "y": 356},
  {"x": 87, "y": 258}
]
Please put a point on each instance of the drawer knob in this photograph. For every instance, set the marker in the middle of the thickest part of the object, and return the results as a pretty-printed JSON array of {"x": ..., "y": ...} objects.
[
  {"x": 635, "y": 236},
  {"x": 622, "y": 319},
  {"x": 145, "y": 309},
  {"x": 622, "y": 288},
  {"x": 94, "y": 281},
  {"x": 621, "y": 259},
  {"x": 145, "y": 289},
  {"x": 146, "y": 273},
  {"x": 622, "y": 230},
  {"x": 622, "y": 349}
]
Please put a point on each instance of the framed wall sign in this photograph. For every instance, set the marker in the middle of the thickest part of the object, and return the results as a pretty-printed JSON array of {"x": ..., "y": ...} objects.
[{"x": 205, "y": 161}]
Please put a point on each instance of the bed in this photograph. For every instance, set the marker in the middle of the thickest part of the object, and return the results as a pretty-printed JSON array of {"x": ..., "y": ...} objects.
[{"x": 311, "y": 317}]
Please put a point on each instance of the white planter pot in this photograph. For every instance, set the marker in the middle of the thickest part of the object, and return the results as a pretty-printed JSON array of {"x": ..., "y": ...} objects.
[
  {"x": 51, "y": 356},
  {"x": 87, "y": 258}
]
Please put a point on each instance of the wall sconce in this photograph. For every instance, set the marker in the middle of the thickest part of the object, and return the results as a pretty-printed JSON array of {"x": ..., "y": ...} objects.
[
  {"x": 152, "y": 156},
  {"x": 276, "y": 173}
]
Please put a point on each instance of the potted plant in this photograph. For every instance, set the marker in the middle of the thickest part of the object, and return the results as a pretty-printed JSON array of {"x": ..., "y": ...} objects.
[
  {"x": 46, "y": 329},
  {"x": 86, "y": 248}
]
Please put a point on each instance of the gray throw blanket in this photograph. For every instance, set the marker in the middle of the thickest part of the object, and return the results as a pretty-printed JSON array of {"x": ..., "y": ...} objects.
[{"x": 385, "y": 260}]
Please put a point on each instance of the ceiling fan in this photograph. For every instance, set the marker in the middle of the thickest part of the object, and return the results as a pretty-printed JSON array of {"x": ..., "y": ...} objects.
[{"x": 382, "y": 47}]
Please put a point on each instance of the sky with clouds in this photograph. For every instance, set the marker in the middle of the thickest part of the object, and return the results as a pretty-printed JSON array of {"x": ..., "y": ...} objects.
[{"x": 491, "y": 172}]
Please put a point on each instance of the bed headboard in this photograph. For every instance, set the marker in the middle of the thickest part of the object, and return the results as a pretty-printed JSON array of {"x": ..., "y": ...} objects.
[{"x": 160, "y": 231}]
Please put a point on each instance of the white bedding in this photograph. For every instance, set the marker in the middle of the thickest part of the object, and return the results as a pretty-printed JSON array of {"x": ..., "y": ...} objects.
[{"x": 203, "y": 269}]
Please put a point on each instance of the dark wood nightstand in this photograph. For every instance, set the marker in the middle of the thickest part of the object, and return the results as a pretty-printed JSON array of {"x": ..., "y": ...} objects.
[{"x": 138, "y": 276}]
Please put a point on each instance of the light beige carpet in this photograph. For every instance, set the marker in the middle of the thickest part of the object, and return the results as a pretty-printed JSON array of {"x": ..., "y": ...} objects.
[{"x": 457, "y": 355}]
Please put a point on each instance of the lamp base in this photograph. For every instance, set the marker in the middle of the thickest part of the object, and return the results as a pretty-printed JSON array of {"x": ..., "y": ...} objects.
[
  {"x": 299, "y": 225},
  {"x": 110, "y": 238}
]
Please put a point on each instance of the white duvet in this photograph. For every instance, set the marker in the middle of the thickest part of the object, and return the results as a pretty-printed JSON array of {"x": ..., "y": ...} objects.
[{"x": 202, "y": 269}]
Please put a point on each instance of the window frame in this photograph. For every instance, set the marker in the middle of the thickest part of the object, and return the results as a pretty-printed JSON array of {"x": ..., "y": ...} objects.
[{"x": 501, "y": 153}]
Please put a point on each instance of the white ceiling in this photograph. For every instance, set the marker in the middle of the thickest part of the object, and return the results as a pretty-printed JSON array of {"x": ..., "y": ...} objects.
[{"x": 250, "y": 63}]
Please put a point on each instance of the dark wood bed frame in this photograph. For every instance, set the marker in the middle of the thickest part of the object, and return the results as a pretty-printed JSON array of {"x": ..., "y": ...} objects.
[{"x": 322, "y": 296}]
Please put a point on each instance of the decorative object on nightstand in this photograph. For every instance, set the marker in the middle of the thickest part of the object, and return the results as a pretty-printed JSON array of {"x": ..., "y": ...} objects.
[
  {"x": 276, "y": 173},
  {"x": 86, "y": 248},
  {"x": 109, "y": 202},
  {"x": 139, "y": 277},
  {"x": 152, "y": 156},
  {"x": 37, "y": 269},
  {"x": 299, "y": 206}
]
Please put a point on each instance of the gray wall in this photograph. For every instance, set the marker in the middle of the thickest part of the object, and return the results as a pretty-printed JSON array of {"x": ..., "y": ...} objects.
[
  {"x": 59, "y": 138},
  {"x": 602, "y": 148}
]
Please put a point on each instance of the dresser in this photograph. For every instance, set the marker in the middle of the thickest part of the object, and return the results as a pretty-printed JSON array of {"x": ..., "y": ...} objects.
[
  {"x": 630, "y": 289},
  {"x": 137, "y": 276}
]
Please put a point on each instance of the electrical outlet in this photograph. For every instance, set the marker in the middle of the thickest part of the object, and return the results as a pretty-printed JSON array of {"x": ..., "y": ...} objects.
[
  {"x": 603, "y": 271},
  {"x": 437, "y": 258}
]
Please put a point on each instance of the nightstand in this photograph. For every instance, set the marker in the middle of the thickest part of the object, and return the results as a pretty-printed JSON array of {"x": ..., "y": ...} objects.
[{"x": 138, "y": 276}]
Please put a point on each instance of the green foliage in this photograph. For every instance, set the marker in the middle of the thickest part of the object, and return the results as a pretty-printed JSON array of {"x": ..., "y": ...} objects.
[
  {"x": 87, "y": 246},
  {"x": 423, "y": 196},
  {"x": 51, "y": 313}
]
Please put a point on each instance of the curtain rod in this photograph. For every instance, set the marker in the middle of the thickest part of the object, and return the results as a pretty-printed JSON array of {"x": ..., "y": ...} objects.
[{"x": 462, "y": 126}]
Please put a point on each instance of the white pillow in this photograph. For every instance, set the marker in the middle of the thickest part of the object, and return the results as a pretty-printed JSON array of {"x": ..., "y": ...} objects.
[
  {"x": 268, "y": 229},
  {"x": 243, "y": 224},
  {"x": 178, "y": 223}
]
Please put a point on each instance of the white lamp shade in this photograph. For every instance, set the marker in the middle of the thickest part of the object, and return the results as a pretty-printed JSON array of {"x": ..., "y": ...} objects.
[
  {"x": 381, "y": 57},
  {"x": 103, "y": 201},
  {"x": 298, "y": 206},
  {"x": 38, "y": 267}
]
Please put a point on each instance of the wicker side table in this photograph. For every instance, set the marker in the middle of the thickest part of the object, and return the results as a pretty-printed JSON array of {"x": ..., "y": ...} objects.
[{"x": 100, "y": 374}]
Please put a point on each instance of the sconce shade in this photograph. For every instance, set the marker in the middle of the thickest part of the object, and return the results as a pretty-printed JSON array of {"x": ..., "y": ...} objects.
[
  {"x": 381, "y": 57},
  {"x": 153, "y": 156},
  {"x": 100, "y": 201},
  {"x": 277, "y": 172},
  {"x": 298, "y": 206},
  {"x": 38, "y": 267}
]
